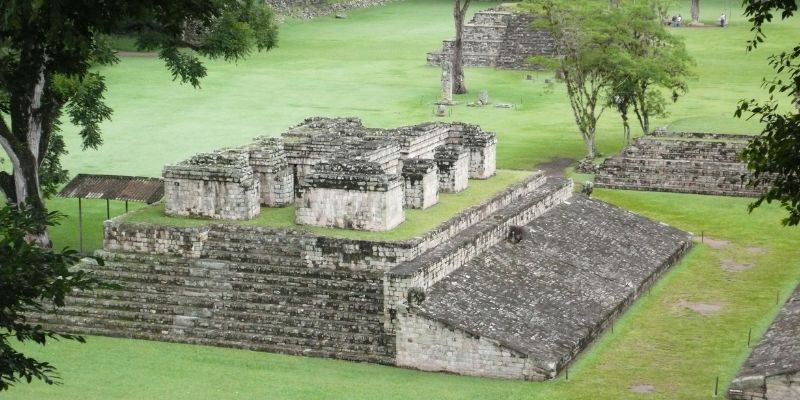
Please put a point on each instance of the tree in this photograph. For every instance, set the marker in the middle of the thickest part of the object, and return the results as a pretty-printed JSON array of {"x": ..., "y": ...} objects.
[
  {"x": 655, "y": 60},
  {"x": 588, "y": 44},
  {"x": 48, "y": 49},
  {"x": 774, "y": 155},
  {"x": 31, "y": 278},
  {"x": 460, "y": 8},
  {"x": 695, "y": 12}
]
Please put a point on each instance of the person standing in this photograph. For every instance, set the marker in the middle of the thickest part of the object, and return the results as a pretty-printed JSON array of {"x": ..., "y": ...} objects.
[
  {"x": 680, "y": 19},
  {"x": 722, "y": 20}
]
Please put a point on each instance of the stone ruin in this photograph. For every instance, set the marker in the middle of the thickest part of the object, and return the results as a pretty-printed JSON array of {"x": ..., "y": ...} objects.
[
  {"x": 498, "y": 38},
  {"x": 772, "y": 372},
  {"x": 684, "y": 162},
  {"x": 336, "y": 171},
  {"x": 514, "y": 287}
]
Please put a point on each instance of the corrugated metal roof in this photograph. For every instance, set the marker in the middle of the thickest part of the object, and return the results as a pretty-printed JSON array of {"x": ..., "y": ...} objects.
[{"x": 114, "y": 187}]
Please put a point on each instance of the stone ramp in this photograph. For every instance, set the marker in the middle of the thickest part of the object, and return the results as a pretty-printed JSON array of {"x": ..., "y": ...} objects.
[
  {"x": 524, "y": 310},
  {"x": 773, "y": 369},
  {"x": 686, "y": 163}
]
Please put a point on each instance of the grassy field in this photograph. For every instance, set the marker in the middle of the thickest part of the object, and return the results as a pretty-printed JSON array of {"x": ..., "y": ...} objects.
[{"x": 372, "y": 65}]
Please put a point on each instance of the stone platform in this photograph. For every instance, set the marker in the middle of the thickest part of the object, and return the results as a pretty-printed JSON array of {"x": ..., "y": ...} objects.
[
  {"x": 685, "y": 163},
  {"x": 499, "y": 38},
  {"x": 527, "y": 306},
  {"x": 772, "y": 372}
]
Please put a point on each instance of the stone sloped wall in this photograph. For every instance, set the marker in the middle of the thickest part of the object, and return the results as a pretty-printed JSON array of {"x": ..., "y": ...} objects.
[
  {"x": 690, "y": 164},
  {"x": 424, "y": 271}
]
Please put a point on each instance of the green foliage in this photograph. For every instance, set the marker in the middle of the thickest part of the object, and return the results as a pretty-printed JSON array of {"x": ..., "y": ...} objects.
[
  {"x": 774, "y": 156},
  {"x": 48, "y": 50},
  {"x": 31, "y": 279}
]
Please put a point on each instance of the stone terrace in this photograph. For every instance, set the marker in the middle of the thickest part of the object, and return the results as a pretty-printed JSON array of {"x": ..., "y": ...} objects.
[
  {"x": 499, "y": 38},
  {"x": 524, "y": 310},
  {"x": 685, "y": 163},
  {"x": 773, "y": 369}
]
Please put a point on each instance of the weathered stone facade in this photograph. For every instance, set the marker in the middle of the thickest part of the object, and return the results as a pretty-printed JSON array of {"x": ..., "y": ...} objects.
[
  {"x": 684, "y": 162},
  {"x": 499, "y": 38},
  {"x": 276, "y": 181},
  {"x": 351, "y": 195},
  {"x": 218, "y": 185},
  {"x": 453, "y": 165},
  {"x": 421, "y": 183},
  {"x": 772, "y": 372}
]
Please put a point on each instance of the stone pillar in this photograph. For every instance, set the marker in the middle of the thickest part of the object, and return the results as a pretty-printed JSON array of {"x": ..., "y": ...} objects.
[
  {"x": 447, "y": 80},
  {"x": 218, "y": 185},
  {"x": 352, "y": 195},
  {"x": 453, "y": 163},
  {"x": 482, "y": 148},
  {"x": 268, "y": 161},
  {"x": 421, "y": 183}
]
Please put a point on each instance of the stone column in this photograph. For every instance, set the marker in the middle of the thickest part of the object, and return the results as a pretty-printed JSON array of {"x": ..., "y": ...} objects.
[{"x": 447, "y": 80}]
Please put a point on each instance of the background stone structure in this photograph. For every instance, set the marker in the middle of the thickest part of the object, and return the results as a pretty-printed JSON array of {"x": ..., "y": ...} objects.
[
  {"x": 772, "y": 372},
  {"x": 682, "y": 162},
  {"x": 499, "y": 38}
]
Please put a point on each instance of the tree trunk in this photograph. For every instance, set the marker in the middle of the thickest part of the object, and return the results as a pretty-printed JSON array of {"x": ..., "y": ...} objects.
[
  {"x": 459, "y": 13},
  {"x": 695, "y": 12},
  {"x": 591, "y": 147}
]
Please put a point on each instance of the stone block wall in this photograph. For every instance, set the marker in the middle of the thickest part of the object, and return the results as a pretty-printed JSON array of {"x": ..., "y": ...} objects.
[
  {"x": 453, "y": 164},
  {"x": 421, "y": 183},
  {"x": 218, "y": 185},
  {"x": 154, "y": 239},
  {"x": 498, "y": 38},
  {"x": 316, "y": 8},
  {"x": 482, "y": 148},
  {"x": 685, "y": 163},
  {"x": 433, "y": 346},
  {"x": 268, "y": 161},
  {"x": 351, "y": 195}
]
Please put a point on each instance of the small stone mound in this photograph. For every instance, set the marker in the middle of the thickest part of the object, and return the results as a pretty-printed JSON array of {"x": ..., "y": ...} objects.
[{"x": 733, "y": 266}]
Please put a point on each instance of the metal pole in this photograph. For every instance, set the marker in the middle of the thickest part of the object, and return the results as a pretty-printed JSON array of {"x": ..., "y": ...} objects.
[
  {"x": 80, "y": 224},
  {"x": 108, "y": 209},
  {"x": 126, "y": 206}
]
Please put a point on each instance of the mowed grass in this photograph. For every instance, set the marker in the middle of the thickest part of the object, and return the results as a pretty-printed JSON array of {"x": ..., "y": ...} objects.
[
  {"x": 371, "y": 65},
  {"x": 659, "y": 342},
  {"x": 417, "y": 221}
]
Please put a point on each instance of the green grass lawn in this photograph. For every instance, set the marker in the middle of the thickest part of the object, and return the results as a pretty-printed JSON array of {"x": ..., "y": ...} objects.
[
  {"x": 372, "y": 65},
  {"x": 659, "y": 342},
  {"x": 417, "y": 221}
]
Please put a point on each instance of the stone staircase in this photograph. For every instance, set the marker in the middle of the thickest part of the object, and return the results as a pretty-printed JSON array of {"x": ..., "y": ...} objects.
[{"x": 679, "y": 165}]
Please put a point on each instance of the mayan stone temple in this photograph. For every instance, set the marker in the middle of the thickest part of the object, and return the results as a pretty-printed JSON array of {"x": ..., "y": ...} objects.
[{"x": 515, "y": 286}]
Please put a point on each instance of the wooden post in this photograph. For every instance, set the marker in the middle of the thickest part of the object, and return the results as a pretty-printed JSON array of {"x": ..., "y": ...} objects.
[
  {"x": 108, "y": 209},
  {"x": 80, "y": 224},
  {"x": 126, "y": 206}
]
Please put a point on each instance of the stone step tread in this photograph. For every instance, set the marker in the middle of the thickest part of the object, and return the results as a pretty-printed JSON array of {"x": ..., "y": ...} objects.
[
  {"x": 277, "y": 335},
  {"x": 709, "y": 190},
  {"x": 139, "y": 302},
  {"x": 320, "y": 276},
  {"x": 130, "y": 311},
  {"x": 272, "y": 343}
]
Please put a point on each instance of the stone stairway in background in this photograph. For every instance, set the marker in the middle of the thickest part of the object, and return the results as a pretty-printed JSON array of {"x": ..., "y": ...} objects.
[{"x": 700, "y": 165}]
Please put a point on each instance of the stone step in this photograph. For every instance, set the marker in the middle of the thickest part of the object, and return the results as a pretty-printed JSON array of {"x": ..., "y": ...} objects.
[
  {"x": 149, "y": 303},
  {"x": 129, "y": 311},
  {"x": 373, "y": 351}
]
